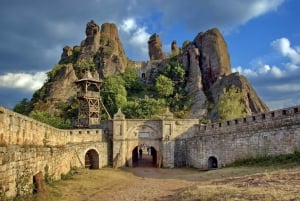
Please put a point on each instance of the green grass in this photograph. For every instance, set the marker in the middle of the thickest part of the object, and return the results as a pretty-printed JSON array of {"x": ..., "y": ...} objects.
[{"x": 267, "y": 160}]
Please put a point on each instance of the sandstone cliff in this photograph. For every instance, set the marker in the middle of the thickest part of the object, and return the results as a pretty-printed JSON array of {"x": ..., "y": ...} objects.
[
  {"x": 100, "y": 51},
  {"x": 207, "y": 62},
  {"x": 155, "y": 48},
  {"x": 205, "y": 59},
  {"x": 102, "y": 46}
]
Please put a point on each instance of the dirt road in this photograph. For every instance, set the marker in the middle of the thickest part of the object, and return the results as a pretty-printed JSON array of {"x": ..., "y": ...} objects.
[{"x": 150, "y": 184}]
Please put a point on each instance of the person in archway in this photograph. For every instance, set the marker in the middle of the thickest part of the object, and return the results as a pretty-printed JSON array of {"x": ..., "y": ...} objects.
[{"x": 141, "y": 153}]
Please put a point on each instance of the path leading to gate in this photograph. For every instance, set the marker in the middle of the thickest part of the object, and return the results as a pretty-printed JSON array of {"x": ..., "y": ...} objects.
[
  {"x": 153, "y": 184},
  {"x": 129, "y": 184}
]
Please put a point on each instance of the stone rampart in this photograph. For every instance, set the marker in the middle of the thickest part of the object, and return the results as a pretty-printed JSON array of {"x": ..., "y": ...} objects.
[
  {"x": 26, "y": 144},
  {"x": 17, "y": 129},
  {"x": 271, "y": 133},
  {"x": 28, "y": 147}
]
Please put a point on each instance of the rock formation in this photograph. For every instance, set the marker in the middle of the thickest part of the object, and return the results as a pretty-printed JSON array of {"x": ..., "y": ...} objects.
[
  {"x": 214, "y": 58},
  {"x": 174, "y": 48},
  {"x": 101, "y": 46},
  {"x": 207, "y": 62},
  {"x": 155, "y": 48},
  {"x": 100, "y": 51},
  {"x": 205, "y": 59}
]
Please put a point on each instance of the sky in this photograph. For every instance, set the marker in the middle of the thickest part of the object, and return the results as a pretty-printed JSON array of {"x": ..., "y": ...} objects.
[{"x": 262, "y": 36}]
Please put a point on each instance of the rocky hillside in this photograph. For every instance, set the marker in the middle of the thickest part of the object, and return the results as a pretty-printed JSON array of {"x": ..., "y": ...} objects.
[
  {"x": 205, "y": 59},
  {"x": 100, "y": 51}
]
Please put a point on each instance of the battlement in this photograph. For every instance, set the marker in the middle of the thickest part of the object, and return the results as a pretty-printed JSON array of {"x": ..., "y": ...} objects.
[
  {"x": 17, "y": 129},
  {"x": 268, "y": 120}
]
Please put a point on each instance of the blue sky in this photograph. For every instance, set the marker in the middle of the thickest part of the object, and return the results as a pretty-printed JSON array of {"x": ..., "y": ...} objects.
[{"x": 263, "y": 38}]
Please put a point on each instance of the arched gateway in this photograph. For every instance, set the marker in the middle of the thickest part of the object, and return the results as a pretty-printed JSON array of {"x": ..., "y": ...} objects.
[
  {"x": 155, "y": 139},
  {"x": 91, "y": 159},
  {"x": 144, "y": 156},
  {"x": 136, "y": 142}
]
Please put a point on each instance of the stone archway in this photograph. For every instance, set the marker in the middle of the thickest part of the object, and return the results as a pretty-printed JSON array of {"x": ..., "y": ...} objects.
[
  {"x": 91, "y": 159},
  {"x": 144, "y": 156},
  {"x": 212, "y": 162}
]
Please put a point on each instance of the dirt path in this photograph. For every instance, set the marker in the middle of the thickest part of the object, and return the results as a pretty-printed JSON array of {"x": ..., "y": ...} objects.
[
  {"x": 145, "y": 184},
  {"x": 111, "y": 184}
]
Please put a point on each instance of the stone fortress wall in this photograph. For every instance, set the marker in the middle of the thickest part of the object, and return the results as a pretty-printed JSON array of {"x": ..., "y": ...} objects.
[
  {"x": 28, "y": 146},
  {"x": 271, "y": 133}
]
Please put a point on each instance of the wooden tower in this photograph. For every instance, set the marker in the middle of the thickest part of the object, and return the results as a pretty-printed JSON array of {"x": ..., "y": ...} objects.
[{"x": 89, "y": 100}]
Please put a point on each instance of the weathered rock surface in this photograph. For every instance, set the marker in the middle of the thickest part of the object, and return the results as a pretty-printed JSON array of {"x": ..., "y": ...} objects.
[
  {"x": 207, "y": 62},
  {"x": 253, "y": 103},
  {"x": 194, "y": 86},
  {"x": 214, "y": 57},
  {"x": 66, "y": 56},
  {"x": 61, "y": 89},
  {"x": 205, "y": 59},
  {"x": 101, "y": 46},
  {"x": 91, "y": 44},
  {"x": 110, "y": 58},
  {"x": 174, "y": 48},
  {"x": 155, "y": 48}
]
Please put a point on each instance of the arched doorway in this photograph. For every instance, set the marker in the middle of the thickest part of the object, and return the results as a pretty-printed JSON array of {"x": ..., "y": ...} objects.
[
  {"x": 143, "y": 156},
  {"x": 91, "y": 159},
  {"x": 212, "y": 162}
]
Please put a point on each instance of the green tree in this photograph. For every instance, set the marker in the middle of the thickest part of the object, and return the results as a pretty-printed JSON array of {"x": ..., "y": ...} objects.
[
  {"x": 230, "y": 104},
  {"x": 164, "y": 86},
  {"x": 174, "y": 71},
  {"x": 132, "y": 80},
  {"x": 52, "y": 74},
  {"x": 113, "y": 93},
  {"x": 185, "y": 43},
  {"x": 143, "y": 108},
  {"x": 23, "y": 107},
  {"x": 49, "y": 119},
  {"x": 83, "y": 66}
]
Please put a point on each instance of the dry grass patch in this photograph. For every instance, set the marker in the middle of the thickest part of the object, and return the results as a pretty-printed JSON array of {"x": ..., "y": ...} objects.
[{"x": 279, "y": 186}]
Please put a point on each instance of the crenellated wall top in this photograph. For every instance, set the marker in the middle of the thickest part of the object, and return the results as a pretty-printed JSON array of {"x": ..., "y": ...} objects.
[{"x": 258, "y": 121}]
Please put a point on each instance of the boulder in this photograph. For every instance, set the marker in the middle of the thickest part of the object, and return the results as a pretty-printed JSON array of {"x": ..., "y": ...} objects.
[
  {"x": 155, "y": 48},
  {"x": 214, "y": 57}
]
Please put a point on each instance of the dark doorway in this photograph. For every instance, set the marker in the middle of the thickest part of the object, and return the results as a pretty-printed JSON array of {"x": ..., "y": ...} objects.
[
  {"x": 135, "y": 157},
  {"x": 154, "y": 156},
  {"x": 144, "y": 157},
  {"x": 92, "y": 159},
  {"x": 212, "y": 162}
]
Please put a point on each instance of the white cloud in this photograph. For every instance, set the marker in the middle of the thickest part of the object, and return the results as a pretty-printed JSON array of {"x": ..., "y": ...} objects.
[
  {"x": 26, "y": 81},
  {"x": 283, "y": 46},
  {"x": 279, "y": 85},
  {"x": 135, "y": 38},
  {"x": 128, "y": 25},
  {"x": 273, "y": 71},
  {"x": 264, "y": 69},
  {"x": 247, "y": 72}
]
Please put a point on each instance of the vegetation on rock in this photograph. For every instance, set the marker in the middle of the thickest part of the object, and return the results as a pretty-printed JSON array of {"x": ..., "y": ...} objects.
[
  {"x": 185, "y": 81},
  {"x": 230, "y": 105}
]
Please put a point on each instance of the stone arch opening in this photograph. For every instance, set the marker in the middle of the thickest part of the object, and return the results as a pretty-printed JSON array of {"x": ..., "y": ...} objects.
[
  {"x": 144, "y": 156},
  {"x": 38, "y": 183},
  {"x": 91, "y": 159},
  {"x": 212, "y": 162}
]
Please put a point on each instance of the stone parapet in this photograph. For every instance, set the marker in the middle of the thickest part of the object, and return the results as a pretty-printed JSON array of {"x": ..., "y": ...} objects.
[{"x": 17, "y": 129}]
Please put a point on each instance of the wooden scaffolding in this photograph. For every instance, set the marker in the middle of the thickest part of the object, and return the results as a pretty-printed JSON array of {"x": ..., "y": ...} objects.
[{"x": 89, "y": 100}]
